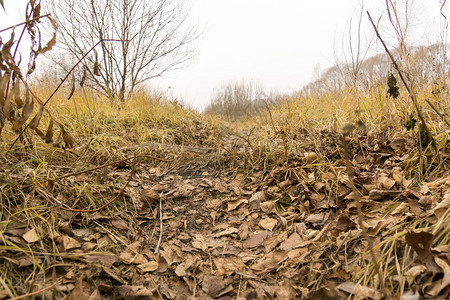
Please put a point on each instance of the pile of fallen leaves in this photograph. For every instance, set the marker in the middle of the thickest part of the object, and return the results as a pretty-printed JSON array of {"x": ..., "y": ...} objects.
[{"x": 325, "y": 217}]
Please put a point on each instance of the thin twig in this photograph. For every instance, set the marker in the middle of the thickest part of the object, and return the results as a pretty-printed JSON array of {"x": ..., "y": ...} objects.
[
  {"x": 161, "y": 223},
  {"x": 23, "y": 23}
]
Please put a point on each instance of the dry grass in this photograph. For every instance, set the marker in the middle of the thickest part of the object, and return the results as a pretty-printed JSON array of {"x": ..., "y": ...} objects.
[{"x": 37, "y": 184}]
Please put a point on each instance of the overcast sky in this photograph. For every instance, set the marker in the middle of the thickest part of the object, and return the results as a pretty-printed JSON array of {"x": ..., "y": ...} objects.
[{"x": 275, "y": 43}]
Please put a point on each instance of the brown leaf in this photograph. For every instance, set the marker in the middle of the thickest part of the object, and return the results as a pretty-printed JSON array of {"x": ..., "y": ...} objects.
[
  {"x": 227, "y": 232},
  {"x": 135, "y": 292},
  {"x": 415, "y": 207},
  {"x": 37, "y": 11},
  {"x": 72, "y": 89},
  {"x": 319, "y": 218},
  {"x": 228, "y": 265},
  {"x": 31, "y": 236},
  {"x": 268, "y": 223},
  {"x": 67, "y": 138},
  {"x": 95, "y": 295},
  {"x": 16, "y": 93},
  {"x": 385, "y": 183},
  {"x": 6, "y": 50},
  {"x": 269, "y": 262},
  {"x": 243, "y": 231},
  {"x": 363, "y": 292},
  {"x": 49, "y": 132},
  {"x": 96, "y": 70},
  {"x": 446, "y": 279},
  {"x": 310, "y": 157},
  {"x": 40, "y": 133},
  {"x": 216, "y": 286},
  {"x": 83, "y": 78},
  {"x": 415, "y": 271},
  {"x": 268, "y": 206},
  {"x": 255, "y": 240},
  {"x": 106, "y": 260},
  {"x": 294, "y": 241},
  {"x": 421, "y": 242},
  {"x": 52, "y": 41},
  {"x": 378, "y": 195},
  {"x": 344, "y": 223},
  {"x": 442, "y": 206},
  {"x": 256, "y": 200},
  {"x": 26, "y": 113},
  {"x": 199, "y": 242},
  {"x": 359, "y": 291},
  {"x": 232, "y": 205},
  {"x": 119, "y": 223},
  {"x": 149, "y": 267},
  {"x": 70, "y": 243},
  {"x": 7, "y": 106},
  {"x": 37, "y": 118},
  {"x": 149, "y": 195},
  {"x": 77, "y": 292},
  {"x": 397, "y": 175},
  {"x": 3, "y": 84},
  {"x": 326, "y": 294}
]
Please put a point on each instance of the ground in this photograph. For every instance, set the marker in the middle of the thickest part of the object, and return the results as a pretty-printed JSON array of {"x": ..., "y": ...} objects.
[{"x": 321, "y": 215}]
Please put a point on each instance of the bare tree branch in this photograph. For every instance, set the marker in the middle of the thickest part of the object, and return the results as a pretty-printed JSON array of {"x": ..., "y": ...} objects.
[{"x": 157, "y": 37}]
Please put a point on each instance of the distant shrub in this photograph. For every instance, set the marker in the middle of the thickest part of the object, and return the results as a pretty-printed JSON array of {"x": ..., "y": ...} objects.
[{"x": 238, "y": 100}]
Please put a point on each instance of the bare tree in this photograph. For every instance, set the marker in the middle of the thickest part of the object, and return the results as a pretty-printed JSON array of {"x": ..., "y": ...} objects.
[
  {"x": 155, "y": 36},
  {"x": 353, "y": 50}
]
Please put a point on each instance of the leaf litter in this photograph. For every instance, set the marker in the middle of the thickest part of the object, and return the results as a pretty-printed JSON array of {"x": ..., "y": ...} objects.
[{"x": 236, "y": 223}]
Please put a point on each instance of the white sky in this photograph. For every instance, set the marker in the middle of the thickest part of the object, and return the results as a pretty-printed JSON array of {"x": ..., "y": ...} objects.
[{"x": 275, "y": 43}]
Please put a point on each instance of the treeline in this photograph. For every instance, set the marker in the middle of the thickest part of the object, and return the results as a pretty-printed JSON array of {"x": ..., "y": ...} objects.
[
  {"x": 427, "y": 66},
  {"x": 236, "y": 100}
]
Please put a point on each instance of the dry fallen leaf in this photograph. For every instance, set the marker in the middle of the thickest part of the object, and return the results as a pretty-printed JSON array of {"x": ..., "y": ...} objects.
[
  {"x": 149, "y": 267},
  {"x": 421, "y": 242},
  {"x": 293, "y": 241},
  {"x": 445, "y": 281},
  {"x": 268, "y": 223},
  {"x": 228, "y": 265},
  {"x": 119, "y": 223},
  {"x": 150, "y": 196},
  {"x": 415, "y": 271},
  {"x": 31, "y": 236},
  {"x": 199, "y": 242},
  {"x": 77, "y": 292},
  {"x": 243, "y": 231},
  {"x": 217, "y": 286},
  {"x": 232, "y": 205},
  {"x": 70, "y": 243},
  {"x": 255, "y": 240}
]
